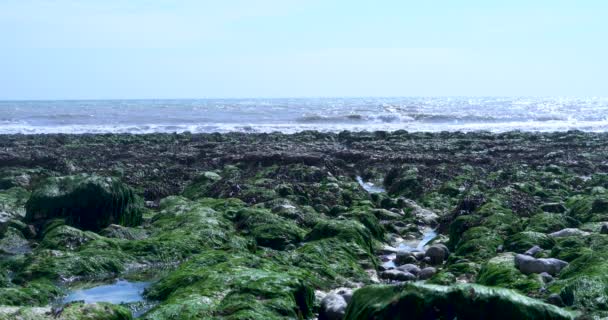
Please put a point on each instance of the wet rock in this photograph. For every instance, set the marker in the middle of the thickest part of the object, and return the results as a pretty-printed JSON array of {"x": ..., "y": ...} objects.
[
  {"x": 397, "y": 275},
  {"x": 405, "y": 258},
  {"x": 604, "y": 228},
  {"x": 546, "y": 277},
  {"x": 555, "y": 299},
  {"x": 527, "y": 264},
  {"x": 411, "y": 268},
  {"x": 533, "y": 251},
  {"x": 569, "y": 232},
  {"x": 427, "y": 273},
  {"x": 437, "y": 253},
  {"x": 386, "y": 249},
  {"x": 419, "y": 255},
  {"x": 346, "y": 293},
  {"x": 333, "y": 307}
]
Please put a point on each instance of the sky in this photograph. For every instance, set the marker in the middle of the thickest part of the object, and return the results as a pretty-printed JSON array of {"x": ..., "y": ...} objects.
[{"x": 116, "y": 49}]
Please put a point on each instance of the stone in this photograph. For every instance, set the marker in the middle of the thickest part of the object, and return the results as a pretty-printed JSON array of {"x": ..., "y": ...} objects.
[
  {"x": 569, "y": 232},
  {"x": 427, "y": 273},
  {"x": 546, "y": 277},
  {"x": 533, "y": 251},
  {"x": 604, "y": 228},
  {"x": 333, "y": 307},
  {"x": 411, "y": 268},
  {"x": 404, "y": 258},
  {"x": 555, "y": 299},
  {"x": 437, "y": 253},
  {"x": 528, "y": 265},
  {"x": 397, "y": 275}
]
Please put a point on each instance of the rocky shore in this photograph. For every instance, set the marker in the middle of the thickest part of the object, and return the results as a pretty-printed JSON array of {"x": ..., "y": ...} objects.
[{"x": 345, "y": 225}]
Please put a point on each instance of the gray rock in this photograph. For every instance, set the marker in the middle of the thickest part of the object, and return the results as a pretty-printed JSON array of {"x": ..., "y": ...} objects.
[
  {"x": 333, "y": 307},
  {"x": 528, "y": 265},
  {"x": 555, "y": 299},
  {"x": 404, "y": 258},
  {"x": 419, "y": 255},
  {"x": 386, "y": 249},
  {"x": 568, "y": 232},
  {"x": 533, "y": 251},
  {"x": 427, "y": 273},
  {"x": 346, "y": 293},
  {"x": 604, "y": 228},
  {"x": 437, "y": 253},
  {"x": 4, "y": 223},
  {"x": 546, "y": 277},
  {"x": 397, "y": 275},
  {"x": 411, "y": 268}
]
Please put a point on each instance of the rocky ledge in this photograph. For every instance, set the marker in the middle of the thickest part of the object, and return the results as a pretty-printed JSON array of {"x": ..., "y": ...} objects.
[{"x": 311, "y": 225}]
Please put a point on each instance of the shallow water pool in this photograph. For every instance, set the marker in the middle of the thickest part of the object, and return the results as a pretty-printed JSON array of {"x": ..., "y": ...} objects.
[{"x": 121, "y": 291}]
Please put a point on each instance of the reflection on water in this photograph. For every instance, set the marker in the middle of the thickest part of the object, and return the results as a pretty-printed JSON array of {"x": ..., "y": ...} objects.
[{"x": 120, "y": 292}]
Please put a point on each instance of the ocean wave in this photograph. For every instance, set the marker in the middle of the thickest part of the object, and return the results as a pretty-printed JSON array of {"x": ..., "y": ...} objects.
[{"x": 532, "y": 126}]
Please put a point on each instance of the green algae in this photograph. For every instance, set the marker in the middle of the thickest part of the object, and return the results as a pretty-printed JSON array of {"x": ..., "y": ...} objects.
[
  {"x": 87, "y": 202},
  {"x": 424, "y": 301}
]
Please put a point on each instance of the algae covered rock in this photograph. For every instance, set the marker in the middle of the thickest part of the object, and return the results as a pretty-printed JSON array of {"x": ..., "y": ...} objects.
[
  {"x": 501, "y": 271},
  {"x": 87, "y": 202},
  {"x": 426, "y": 301},
  {"x": 73, "y": 311}
]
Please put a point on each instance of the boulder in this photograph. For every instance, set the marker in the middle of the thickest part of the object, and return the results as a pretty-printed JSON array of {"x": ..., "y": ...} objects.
[
  {"x": 333, "y": 307},
  {"x": 437, "y": 253},
  {"x": 533, "y": 251},
  {"x": 466, "y": 301},
  {"x": 411, "y": 268},
  {"x": 604, "y": 228},
  {"x": 553, "y": 207},
  {"x": 397, "y": 275},
  {"x": 405, "y": 258},
  {"x": 569, "y": 232},
  {"x": 527, "y": 264},
  {"x": 87, "y": 202},
  {"x": 427, "y": 273}
]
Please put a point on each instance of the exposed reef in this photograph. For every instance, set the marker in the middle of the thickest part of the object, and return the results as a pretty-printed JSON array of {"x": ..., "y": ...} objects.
[{"x": 310, "y": 225}]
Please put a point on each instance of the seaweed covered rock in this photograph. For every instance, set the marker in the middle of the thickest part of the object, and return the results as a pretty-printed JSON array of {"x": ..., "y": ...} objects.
[
  {"x": 426, "y": 301},
  {"x": 268, "y": 229},
  {"x": 87, "y": 202},
  {"x": 232, "y": 285},
  {"x": 500, "y": 271},
  {"x": 72, "y": 311}
]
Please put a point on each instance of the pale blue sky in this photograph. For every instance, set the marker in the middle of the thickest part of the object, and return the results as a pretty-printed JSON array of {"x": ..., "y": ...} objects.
[{"x": 61, "y": 49}]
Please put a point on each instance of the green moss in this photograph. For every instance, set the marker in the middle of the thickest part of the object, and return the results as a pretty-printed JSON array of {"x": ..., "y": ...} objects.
[
  {"x": 478, "y": 244},
  {"x": 522, "y": 241},
  {"x": 86, "y": 202},
  {"x": 34, "y": 293},
  {"x": 201, "y": 185},
  {"x": 500, "y": 271},
  {"x": 547, "y": 222},
  {"x": 268, "y": 229},
  {"x": 230, "y": 285},
  {"x": 424, "y": 301},
  {"x": 342, "y": 230},
  {"x": 67, "y": 238}
]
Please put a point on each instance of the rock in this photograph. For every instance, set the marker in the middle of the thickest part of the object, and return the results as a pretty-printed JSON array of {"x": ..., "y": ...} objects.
[
  {"x": 553, "y": 207},
  {"x": 397, "y": 275},
  {"x": 419, "y": 255},
  {"x": 599, "y": 205},
  {"x": 386, "y": 249},
  {"x": 86, "y": 202},
  {"x": 604, "y": 228},
  {"x": 569, "y": 232},
  {"x": 527, "y": 264},
  {"x": 404, "y": 258},
  {"x": 437, "y": 253},
  {"x": 555, "y": 299},
  {"x": 411, "y": 268},
  {"x": 546, "y": 277},
  {"x": 427, "y": 216},
  {"x": 427, "y": 273},
  {"x": 533, "y": 251},
  {"x": 466, "y": 301},
  {"x": 346, "y": 293},
  {"x": 4, "y": 223},
  {"x": 333, "y": 307}
]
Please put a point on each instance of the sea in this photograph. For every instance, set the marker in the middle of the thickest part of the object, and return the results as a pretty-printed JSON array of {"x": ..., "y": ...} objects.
[{"x": 429, "y": 114}]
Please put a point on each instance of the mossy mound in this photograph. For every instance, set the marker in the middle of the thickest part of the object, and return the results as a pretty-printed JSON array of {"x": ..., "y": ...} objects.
[
  {"x": 425, "y": 301},
  {"x": 72, "y": 311},
  {"x": 85, "y": 201},
  {"x": 500, "y": 271},
  {"x": 522, "y": 241},
  {"x": 232, "y": 285},
  {"x": 268, "y": 229}
]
